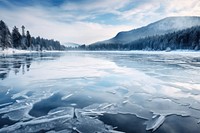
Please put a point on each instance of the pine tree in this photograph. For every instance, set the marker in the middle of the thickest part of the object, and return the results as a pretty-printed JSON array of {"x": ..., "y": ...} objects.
[
  {"x": 28, "y": 38},
  {"x": 16, "y": 37},
  {"x": 5, "y": 36}
]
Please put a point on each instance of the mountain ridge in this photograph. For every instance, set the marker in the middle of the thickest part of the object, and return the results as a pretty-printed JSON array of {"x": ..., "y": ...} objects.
[
  {"x": 160, "y": 27},
  {"x": 186, "y": 39}
]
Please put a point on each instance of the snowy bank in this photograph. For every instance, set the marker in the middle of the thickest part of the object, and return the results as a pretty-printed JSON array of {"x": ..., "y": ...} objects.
[{"x": 11, "y": 51}]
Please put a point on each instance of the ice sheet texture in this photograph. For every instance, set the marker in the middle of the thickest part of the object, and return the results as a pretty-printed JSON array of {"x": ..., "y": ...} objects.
[{"x": 57, "y": 92}]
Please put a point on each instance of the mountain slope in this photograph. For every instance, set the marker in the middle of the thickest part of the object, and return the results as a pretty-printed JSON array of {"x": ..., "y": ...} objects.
[
  {"x": 188, "y": 39},
  {"x": 166, "y": 25}
]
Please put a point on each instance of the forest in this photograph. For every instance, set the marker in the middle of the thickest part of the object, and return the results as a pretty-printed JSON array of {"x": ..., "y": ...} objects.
[
  {"x": 24, "y": 41},
  {"x": 187, "y": 39}
]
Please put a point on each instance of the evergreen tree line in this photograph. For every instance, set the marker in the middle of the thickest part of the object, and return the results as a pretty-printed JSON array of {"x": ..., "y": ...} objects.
[
  {"x": 184, "y": 39},
  {"x": 15, "y": 40}
]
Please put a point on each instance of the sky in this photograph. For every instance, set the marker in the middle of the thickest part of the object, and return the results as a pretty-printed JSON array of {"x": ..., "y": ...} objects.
[{"x": 89, "y": 21}]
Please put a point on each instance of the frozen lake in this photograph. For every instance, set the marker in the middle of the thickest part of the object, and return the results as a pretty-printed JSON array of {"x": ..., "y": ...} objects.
[{"x": 104, "y": 92}]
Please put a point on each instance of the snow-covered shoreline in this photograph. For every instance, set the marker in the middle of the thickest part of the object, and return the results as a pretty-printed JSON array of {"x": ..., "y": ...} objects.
[
  {"x": 141, "y": 51},
  {"x": 11, "y": 51}
]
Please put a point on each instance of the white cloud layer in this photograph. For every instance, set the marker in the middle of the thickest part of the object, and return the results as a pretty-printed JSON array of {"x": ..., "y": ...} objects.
[
  {"x": 72, "y": 22},
  {"x": 37, "y": 21}
]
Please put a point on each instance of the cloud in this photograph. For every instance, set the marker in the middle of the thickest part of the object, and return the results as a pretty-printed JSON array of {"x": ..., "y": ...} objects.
[
  {"x": 89, "y": 10},
  {"x": 142, "y": 14},
  {"x": 44, "y": 23},
  {"x": 148, "y": 11},
  {"x": 88, "y": 21},
  {"x": 183, "y": 8},
  {"x": 98, "y": 6}
]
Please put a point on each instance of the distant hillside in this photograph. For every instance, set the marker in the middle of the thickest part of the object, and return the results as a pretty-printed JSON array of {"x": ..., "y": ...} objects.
[
  {"x": 184, "y": 39},
  {"x": 164, "y": 26},
  {"x": 70, "y": 44}
]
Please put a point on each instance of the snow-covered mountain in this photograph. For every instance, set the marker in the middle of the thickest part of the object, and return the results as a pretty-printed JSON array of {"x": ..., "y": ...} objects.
[{"x": 166, "y": 25}]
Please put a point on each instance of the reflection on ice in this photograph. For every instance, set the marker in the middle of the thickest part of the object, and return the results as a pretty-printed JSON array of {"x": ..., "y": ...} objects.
[{"x": 77, "y": 92}]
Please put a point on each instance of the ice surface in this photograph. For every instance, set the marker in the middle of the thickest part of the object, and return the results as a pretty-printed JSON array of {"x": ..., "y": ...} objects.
[
  {"x": 90, "y": 125},
  {"x": 62, "y": 131},
  {"x": 124, "y": 102},
  {"x": 60, "y": 118},
  {"x": 5, "y": 104},
  {"x": 195, "y": 105},
  {"x": 20, "y": 114},
  {"x": 65, "y": 97},
  {"x": 73, "y": 90},
  {"x": 113, "y": 131},
  {"x": 155, "y": 122}
]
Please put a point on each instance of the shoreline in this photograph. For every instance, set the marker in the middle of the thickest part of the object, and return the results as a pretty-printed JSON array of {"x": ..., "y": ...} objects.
[{"x": 11, "y": 51}]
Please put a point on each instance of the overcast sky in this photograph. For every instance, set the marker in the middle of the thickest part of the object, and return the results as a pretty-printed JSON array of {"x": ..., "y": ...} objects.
[{"x": 88, "y": 21}]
